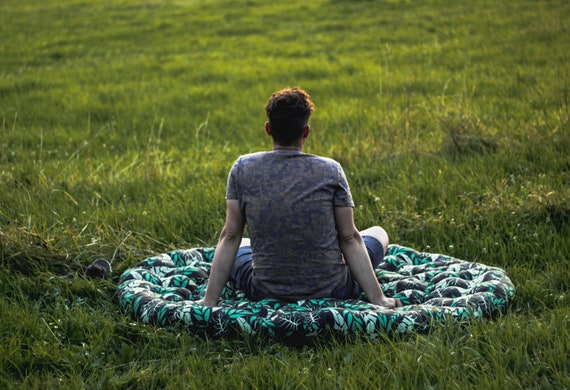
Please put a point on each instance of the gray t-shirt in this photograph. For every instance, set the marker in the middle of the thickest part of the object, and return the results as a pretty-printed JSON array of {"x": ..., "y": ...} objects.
[{"x": 287, "y": 199}]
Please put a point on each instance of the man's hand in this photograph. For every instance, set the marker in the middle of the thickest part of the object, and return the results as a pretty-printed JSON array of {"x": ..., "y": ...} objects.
[
  {"x": 204, "y": 302},
  {"x": 388, "y": 302}
]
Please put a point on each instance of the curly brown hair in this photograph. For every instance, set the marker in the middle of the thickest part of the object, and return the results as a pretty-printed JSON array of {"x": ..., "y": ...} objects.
[{"x": 288, "y": 111}]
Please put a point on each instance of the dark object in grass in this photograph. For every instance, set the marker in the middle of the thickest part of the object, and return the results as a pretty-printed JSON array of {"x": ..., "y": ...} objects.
[
  {"x": 100, "y": 268},
  {"x": 470, "y": 143},
  {"x": 467, "y": 135},
  {"x": 559, "y": 215}
]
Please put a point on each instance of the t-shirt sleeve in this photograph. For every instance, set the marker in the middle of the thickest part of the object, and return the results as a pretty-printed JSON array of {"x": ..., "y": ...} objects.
[
  {"x": 231, "y": 189},
  {"x": 342, "y": 196}
]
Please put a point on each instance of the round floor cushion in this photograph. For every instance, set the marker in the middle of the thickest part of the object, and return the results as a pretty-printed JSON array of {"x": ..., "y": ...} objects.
[{"x": 434, "y": 288}]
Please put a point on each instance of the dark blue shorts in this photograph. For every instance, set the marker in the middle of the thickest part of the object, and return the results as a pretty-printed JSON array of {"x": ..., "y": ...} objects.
[{"x": 242, "y": 272}]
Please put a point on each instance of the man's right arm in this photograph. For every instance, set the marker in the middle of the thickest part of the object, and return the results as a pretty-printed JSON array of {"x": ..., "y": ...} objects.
[{"x": 357, "y": 259}]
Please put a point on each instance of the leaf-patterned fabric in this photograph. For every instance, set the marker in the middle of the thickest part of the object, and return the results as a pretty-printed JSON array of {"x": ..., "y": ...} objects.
[{"x": 434, "y": 289}]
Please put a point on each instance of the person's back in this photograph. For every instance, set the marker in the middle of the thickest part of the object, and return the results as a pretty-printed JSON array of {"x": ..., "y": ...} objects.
[{"x": 288, "y": 199}]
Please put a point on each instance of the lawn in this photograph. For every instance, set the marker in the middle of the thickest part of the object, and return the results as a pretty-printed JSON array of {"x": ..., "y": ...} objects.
[{"x": 120, "y": 120}]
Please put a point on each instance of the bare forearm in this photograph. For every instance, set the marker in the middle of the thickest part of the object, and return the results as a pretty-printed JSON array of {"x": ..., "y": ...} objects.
[
  {"x": 357, "y": 259},
  {"x": 222, "y": 265},
  {"x": 356, "y": 256}
]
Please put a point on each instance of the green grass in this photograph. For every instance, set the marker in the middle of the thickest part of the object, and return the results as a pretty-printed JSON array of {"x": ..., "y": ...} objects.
[{"x": 120, "y": 120}]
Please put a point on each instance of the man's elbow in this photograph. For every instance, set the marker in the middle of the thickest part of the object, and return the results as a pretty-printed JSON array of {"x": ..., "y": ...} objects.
[
  {"x": 230, "y": 235},
  {"x": 348, "y": 239}
]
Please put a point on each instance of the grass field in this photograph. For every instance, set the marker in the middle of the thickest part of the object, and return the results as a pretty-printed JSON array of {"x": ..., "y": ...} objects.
[{"x": 120, "y": 120}]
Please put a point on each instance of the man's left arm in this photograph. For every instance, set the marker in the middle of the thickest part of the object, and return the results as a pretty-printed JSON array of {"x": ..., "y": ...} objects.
[{"x": 225, "y": 255}]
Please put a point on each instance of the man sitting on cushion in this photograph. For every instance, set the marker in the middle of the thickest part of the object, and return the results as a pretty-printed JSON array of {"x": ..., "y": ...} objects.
[{"x": 299, "y": 213}]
